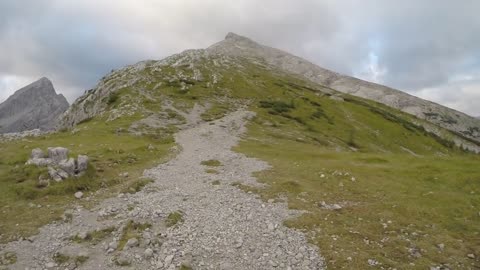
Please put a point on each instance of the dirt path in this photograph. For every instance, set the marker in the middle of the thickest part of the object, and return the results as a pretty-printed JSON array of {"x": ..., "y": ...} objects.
[{"x": 223, "y": 227}]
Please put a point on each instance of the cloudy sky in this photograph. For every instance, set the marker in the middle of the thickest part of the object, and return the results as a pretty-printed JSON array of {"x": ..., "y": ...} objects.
[{"x": 429, "y": 48}]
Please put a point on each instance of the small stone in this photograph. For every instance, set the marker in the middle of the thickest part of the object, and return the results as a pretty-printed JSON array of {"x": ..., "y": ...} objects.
[
  {"x": 239, "y": 243},
  {"x": 272, "y": 263},
  {"x": 83, "y": 254},
  {"x": 271, "y": 201},
  {"x": 50, "y": 265},
  {"x": 372, "y": 262},
  {"x": 471, "y": 256},
  {"x": 82, "y": 235},
  {"x": 441, "y": 246},
  {"x": 79, "y": 195},
  {"x": 113, "y": 245},
  {"x": 148, "y": 253},
  {"x": 123, "y": 260},
  {"x": 168, "y": 260},
  {"x": 132, "y": 242}
]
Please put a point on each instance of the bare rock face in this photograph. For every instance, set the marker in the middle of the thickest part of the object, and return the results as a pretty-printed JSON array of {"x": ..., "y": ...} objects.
[
  {"x": 35, "y": 106},
  {"x": 239, "y": 46}
]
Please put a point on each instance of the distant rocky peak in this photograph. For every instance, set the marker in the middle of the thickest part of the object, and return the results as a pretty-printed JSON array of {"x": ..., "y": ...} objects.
[
  {"x": 35, "y": 106},
  {"x": 42, "y": 86}
]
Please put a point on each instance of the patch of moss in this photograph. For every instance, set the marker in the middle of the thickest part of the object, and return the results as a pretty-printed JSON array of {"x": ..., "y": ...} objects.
[
  {"x": 8, "y": 258},
  {"x": 137, "y": 185},
  {"x": 211, "y": 163},
  {"x": 61, "y": 258},
  {"x": 132, "y": 230},
  {"x": 95, "y": 237},
  {"x": 174, "y": 218}
]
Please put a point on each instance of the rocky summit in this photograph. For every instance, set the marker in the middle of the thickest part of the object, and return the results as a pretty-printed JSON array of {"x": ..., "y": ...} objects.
[{"x": 35, "y": 106}]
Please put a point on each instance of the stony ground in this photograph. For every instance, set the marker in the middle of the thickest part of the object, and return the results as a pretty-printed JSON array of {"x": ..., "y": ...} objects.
[{"x": 187, "y": 218}]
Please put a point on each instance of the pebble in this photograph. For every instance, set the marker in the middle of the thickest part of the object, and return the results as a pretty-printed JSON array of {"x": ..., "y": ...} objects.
[
  {"x": 168, "y": 260},
  {"x": 132, "y": 242},
  {"x": 148, "y": 253},
  {"x": 78, "y": 195}
]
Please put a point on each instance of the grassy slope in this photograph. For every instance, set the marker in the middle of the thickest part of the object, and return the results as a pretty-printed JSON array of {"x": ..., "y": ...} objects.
[
  {"x": 111, "y": 153},
  {"x": 399, "y": 203},
  {"x": 412, "y": 189}
]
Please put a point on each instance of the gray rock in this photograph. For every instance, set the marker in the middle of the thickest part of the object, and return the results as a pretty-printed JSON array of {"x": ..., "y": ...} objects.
[
  {"x": 82, "y": 163},
  {"x": 35, "y": 106},
  {"x": 132, "y": 242},
  {"x": 471, "y": 256},
  {"x": 54, "y": 174},
  {"x": 57, "y": 154},
  {"x": 148, "y": 253},
  {"x": 82, "y": 235},
  {"x": 37, "y": 153},
  {"x": 40, "y": 162},
  {"x": 113, "y": 245},
  {"x": 79, "y": 195},
  {"x": 68, "y": 166},
  {"x": 63, "y": 174},
  {"x": 168, "y": 260},
  {"x": 123, "y": 260}
]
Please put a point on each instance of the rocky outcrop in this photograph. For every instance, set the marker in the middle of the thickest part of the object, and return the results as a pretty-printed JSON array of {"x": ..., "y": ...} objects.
[
  {"x": 35, "y": 106},
  {"x": 458, "y": 122},
  {"x": 60, "y": 166}
]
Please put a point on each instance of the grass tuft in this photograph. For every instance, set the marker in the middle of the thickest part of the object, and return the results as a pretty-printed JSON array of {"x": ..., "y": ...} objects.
[
  {"x": 95, "y": 237},
  {"x": 132, "y": 230},
  {"x": 174, "y": 218},
  {"x": 211, "y": 163}
]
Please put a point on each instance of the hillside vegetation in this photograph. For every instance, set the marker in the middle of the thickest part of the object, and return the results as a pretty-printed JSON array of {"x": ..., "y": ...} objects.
[{"x": 379, "y": 188}]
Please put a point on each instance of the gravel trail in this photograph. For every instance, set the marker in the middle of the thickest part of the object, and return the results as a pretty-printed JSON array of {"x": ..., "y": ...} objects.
[{"x": 220, "y": 227}]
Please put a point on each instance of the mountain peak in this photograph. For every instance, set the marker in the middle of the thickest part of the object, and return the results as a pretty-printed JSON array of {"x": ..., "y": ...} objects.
[
  {"x": 36, "y": 105},
  {"x": 43, "y": 85},
  {"x": 238, "y": 39},
  {"x": 233, "y": 36}
]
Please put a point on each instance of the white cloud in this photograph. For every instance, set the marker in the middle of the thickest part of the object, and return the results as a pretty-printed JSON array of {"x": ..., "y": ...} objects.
[
  {"x": 372, "y": 71},
  {"x": 461, "y": 93}
]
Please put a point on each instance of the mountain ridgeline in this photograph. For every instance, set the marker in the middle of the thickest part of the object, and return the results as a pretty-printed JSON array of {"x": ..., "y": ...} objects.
[
  {"x": 329, "y": 108},
  {"x": 35, "y": 106}
]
